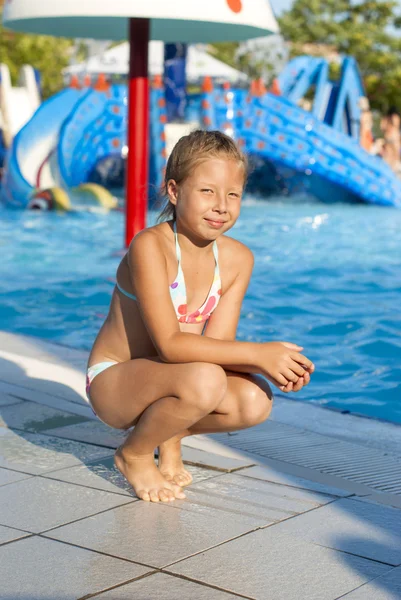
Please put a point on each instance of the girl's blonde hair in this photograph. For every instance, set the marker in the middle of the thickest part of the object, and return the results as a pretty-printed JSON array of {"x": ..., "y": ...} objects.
[{"x": 191, "y": 150}]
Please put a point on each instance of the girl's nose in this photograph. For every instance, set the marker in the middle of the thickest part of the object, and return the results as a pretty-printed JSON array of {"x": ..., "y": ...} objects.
[{"x": 221, "y": 203}]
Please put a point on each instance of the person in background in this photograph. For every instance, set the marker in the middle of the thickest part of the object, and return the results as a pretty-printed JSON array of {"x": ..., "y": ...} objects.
[
  {"x": 390, "y": 126},
  {"x": 366, "y": 125}
]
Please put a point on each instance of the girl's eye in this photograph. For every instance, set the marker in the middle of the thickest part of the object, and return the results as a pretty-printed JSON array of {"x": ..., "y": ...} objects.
[
  {"x": 235, "y": 194},
  {"x": 206, "y": 190}
]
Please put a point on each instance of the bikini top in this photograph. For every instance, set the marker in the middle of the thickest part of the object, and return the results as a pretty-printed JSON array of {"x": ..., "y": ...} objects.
[{"x": 178, "y": 291}]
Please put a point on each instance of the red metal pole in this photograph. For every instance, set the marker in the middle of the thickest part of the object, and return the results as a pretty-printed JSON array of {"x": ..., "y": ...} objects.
[{"x": 138, "y": 129}]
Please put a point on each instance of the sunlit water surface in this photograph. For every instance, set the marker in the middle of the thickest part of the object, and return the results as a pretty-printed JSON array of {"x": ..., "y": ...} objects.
[{"x": 327, "y": 277}]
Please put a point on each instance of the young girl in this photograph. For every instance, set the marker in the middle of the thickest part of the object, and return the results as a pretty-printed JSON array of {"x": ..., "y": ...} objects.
[{"x": 166, "y": 359}]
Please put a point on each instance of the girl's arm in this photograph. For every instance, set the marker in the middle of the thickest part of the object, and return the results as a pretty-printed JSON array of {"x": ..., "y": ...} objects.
[
  {"x": 148, "y": 272},
  {"x": 223, "y": 322}
]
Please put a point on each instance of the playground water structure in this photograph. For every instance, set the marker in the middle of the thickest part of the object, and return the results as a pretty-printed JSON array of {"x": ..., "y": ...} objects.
[
  {"x": 17, "y": 104},
  {"x": 294, "y": 151},
  {"x": 58, "y": 157},
  {"x": 51, "y": 158},
  {"x": 297, "y": 151},
  {"x": 54, "y": 157}
]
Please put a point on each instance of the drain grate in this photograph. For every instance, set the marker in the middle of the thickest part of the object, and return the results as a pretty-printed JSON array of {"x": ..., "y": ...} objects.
[{"x": 374, "y": 468}]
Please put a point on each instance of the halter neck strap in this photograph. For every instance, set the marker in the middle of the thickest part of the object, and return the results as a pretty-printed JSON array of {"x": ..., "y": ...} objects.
[{"x": 178, "y": 249}]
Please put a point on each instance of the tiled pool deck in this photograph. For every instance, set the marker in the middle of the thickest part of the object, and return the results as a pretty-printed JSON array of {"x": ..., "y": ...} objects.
[{"x": 306, "y": 506}]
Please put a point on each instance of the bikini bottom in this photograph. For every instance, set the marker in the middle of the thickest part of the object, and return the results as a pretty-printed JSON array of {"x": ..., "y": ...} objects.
[{"x": 91, "y": 374}]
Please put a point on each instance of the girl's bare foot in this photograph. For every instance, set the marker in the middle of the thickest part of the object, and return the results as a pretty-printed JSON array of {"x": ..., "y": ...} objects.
[
  {"x": 144, "y": 476},
  {"x": 170, "y": 462}
]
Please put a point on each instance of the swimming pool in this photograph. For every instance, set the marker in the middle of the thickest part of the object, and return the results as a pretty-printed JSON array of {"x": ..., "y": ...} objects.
[{"x": 326, "y": 276}]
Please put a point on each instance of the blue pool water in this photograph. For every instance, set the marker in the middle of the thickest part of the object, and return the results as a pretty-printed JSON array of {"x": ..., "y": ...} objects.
[{"x": 327, "y": 277}]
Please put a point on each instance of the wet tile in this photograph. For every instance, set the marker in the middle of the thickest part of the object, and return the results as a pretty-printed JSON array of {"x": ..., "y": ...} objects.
[
  {"x": 386, "y": 587},
  {"x": 267, "y": 564},
  {"x": 269, "y": 474},
  {"x": 37, "y": 504},
  {"x": 103, "y": 475},
  {"x": 201, "y": 474},
  {"x": 39, "y": 568},
  {"x": 92, "y": 432},
  {"x": 7, "y": 399},
  {"x": 43, "y": 376},
  {"x": 9, "y": 534},
  {"x": 77, "y": 406},
  {"x": 362, "y": 528},
  {"x": 154, "y": 534},
  {"x": 34, "y": 417},
  {"x": 207, "y": 459},
  {"x": 267, "y": 502},
  {"x": 7, "y": 476},
  {"x": 207, "y": 444},
  {"x": 35, "y": 453},
  {"x": 165, "y": 587},
  {"x": 24, "y": 345},
  {"x": 381, "y": 498},
  {"x": 100, "y": 475}
]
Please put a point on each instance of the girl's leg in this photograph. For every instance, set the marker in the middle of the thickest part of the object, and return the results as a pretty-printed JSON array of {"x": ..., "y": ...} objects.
[
  {"x": 161, "y": 400},
  {"x": 247, "y": 402}
]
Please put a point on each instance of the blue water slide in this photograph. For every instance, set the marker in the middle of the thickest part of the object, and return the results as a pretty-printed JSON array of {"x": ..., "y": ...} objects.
[
  {"x": 310, "y": 156},
  {"x": 95, "y": 128},
  {"x": 334, "y": 102},
  {"x": 32, "y": 148},
  {"x": 346, "y": 114},
  {"x": 292, "y": 73},
  {"x": 307, "y": 73}
]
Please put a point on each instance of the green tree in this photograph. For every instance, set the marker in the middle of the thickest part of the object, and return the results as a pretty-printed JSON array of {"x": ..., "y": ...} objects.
[
  {"x": 256, "y": 59},
  {"x": 226, "y": 52},
  {"x": 365, "y": 30},
  {"x": 47, "y": 54}
]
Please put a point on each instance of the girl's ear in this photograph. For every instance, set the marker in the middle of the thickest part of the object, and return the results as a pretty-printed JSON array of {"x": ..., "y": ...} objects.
[{"x": 172, "y": 191}]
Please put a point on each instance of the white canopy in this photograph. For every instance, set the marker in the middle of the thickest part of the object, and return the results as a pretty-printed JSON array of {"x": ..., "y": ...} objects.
[
  {"x": 199, "y": 64},
  {"x": 187, "y": 21}
]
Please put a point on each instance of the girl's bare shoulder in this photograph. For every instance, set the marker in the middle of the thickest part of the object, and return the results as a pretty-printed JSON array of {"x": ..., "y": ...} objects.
[
  {"x": 234, "y": 247},
  {"x": 159, "y": 233},
  {"x": 235, "y": 255}
]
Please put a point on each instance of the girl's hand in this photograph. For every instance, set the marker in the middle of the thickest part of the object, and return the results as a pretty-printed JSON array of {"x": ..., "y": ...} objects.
[
  {"x": 295, "y": 387},
  {"x": 292, "y": 387},
  {"x": 284, "y": 366}
]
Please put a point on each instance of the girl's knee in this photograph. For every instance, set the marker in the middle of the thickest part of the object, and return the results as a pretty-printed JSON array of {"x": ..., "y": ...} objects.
[
  {"x": 256, "y": 403},
  {"x": 205, "y": 384}
]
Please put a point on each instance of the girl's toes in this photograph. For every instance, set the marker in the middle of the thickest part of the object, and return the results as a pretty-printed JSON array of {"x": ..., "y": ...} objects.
[
  {"x": 154, "y": 496},
  {"x": 144, "y": 496},
  {"x": 183, "y": 479},
  {"x": 169, "y": 494},
  {"x": 178, "y": 493},
  {"x": 163, "y": 496}
]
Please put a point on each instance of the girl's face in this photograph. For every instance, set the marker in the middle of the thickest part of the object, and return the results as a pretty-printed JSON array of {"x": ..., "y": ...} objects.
[{"x": 209, "y": 200}]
